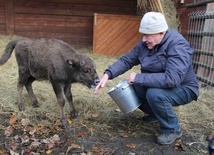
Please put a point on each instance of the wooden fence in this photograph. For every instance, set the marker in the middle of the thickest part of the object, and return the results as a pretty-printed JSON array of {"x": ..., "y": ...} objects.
[
  {"x": 68, "y": 20},
  {"x": 115, "y": 35}
]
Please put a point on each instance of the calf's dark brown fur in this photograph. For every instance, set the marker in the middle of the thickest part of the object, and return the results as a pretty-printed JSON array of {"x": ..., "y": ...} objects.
[{"x": 53, "y": 60}]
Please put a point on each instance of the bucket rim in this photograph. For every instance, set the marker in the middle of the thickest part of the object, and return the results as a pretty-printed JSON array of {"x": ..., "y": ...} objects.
[{"x": 120, "y": 84}]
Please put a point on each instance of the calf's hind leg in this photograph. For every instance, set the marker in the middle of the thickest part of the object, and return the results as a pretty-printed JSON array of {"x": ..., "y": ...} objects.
[
  {"x": 28, "y": 86},
  {"x": 23, "y": 78},
  {"x": 21, "y": 104}
]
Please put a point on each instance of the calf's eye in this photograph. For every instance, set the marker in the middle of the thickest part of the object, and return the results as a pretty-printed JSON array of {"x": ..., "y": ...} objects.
[{"x": 85, "y": 71}]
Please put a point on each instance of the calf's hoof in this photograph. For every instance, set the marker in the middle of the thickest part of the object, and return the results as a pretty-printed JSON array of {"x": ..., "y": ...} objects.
[
  {"x": 21, "y": 107},
  {"x": 73, "y": 115},
  {"x": 64, "y": 124},
  {"x": 35, "y": 104}
]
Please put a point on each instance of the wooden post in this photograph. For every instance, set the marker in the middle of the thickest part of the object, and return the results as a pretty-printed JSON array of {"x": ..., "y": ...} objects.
[
  {"x": 9, "y": 15},
  {"x": 156, "y": 6},
  {"x": 160, "y": 6}
]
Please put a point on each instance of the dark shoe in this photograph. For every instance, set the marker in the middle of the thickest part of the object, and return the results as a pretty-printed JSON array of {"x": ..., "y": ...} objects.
[
  {"x": 168, "y": 138},
  {"x": 149, "y": 119}
]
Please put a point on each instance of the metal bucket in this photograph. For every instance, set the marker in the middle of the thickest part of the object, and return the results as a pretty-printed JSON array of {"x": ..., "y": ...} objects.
[{"x": 124, "y": 96}]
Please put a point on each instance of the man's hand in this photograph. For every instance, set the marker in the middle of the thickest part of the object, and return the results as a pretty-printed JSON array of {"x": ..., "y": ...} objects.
[
  {"x": 102, "y": 83},
  {"x": 131, "y": 78}
]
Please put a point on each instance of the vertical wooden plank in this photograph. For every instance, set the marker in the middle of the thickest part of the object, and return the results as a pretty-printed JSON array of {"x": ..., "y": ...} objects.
[
  {"x": 160, "y": 6},
  {"x": 9, "y": 15},
  {"x": 115, "y": 35},
  {"x": 95, "y": 34}
]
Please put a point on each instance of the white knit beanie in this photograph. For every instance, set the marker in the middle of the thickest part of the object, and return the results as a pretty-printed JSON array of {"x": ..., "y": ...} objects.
[{"x": 153, "y": 23}]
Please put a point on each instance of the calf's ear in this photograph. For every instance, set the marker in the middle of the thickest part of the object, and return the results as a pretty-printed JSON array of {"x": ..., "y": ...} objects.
[
  {"x": 82, "y": 63},
  {"x": 77, "y": 61},
  {"x": 70, "y": 63},
  {"x": 73, "y": 63}
]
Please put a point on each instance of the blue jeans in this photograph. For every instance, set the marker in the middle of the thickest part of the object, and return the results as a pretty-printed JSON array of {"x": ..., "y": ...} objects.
[{"x": 159, "y": 103}]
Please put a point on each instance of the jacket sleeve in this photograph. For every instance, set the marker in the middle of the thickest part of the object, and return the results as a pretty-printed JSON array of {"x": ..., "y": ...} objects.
[
  {"x": 178, "y": 63},
  {"x": 125, "y": 63}
]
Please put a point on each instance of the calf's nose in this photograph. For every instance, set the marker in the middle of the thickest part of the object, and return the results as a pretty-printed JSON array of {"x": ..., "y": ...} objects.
[{"x": 96, "y": 81}]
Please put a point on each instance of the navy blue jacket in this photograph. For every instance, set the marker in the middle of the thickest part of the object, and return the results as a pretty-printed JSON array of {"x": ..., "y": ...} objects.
[{"x": 168, "y": 65}]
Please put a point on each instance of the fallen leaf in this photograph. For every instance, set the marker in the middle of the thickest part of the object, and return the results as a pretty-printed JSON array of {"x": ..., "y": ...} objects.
[
  {"x": 81, "y": 134},
  {"x": 178, "y": 145},
  {"x": 70, "y": 121},
  {"x": 56, "y": 138},
  {"x": 49, "y": 129},
  {"x": 13, "y": 153},
  {"x": 25, "y": 139},
  {"x": 35, "y": 144},
  {"x": 27, "y": 150},
  {"x": 33, "y": 153},
  {"x": 25, "y": 121},
  {"x": 38, "y": 130},
  {"x": 32, "y": 131},
  {"x": 51, "y": 145},
  {"x": 70, "y": 141},
  {"x": 13, "y": 120},
  {"x": 12, "y": 145},
  {"x": 1, "y": 151},
  {"x": 8, "y": 131},
  {"x": 95, "y": 149},
  {"x": 125, "y": 135},
  {"x": 94, "y": 115},
  {"x": 57, "y": 123},
  {"x": 178, "y": 141},
  {"x": 1, "y": 127},
  {"x": 48, "y": 152},
  {"x": 16, "y": 137},
  {"x": 72, "y": 147},
  {"x": 45, "y": 141},
  {"x": 132, "y": 146}
]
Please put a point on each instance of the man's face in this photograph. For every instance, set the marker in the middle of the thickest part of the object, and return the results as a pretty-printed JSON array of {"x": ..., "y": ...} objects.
[{"x": 152, "y": 39}]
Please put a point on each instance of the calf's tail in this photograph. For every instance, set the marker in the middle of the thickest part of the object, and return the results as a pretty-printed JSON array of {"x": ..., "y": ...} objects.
[{"x": 8, "y": 51}]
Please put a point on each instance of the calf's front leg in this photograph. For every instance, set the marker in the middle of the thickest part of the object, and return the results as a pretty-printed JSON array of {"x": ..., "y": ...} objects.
[
  {"x": 67, "y": 91},
  {"x": 61, "y": 103}
]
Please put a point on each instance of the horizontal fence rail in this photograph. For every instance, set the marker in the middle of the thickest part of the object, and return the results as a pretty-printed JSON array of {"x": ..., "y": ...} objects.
[{"x": 201, "y": 37}]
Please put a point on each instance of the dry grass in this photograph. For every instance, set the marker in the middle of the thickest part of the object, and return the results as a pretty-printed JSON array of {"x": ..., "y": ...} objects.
[
  {"x": 167, "y": 6},
  {"x": 197, "y": 119}
]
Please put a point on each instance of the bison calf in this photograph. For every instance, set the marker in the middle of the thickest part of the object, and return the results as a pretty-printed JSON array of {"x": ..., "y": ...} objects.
[{"x": 53, "y": 60}]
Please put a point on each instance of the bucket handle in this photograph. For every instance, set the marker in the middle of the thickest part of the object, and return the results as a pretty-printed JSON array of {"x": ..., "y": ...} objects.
[{"x": 125, "y": 87}]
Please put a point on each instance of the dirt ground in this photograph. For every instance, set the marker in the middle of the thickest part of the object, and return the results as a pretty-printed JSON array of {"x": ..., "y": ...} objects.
[{"x": 123, "y": 135}]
